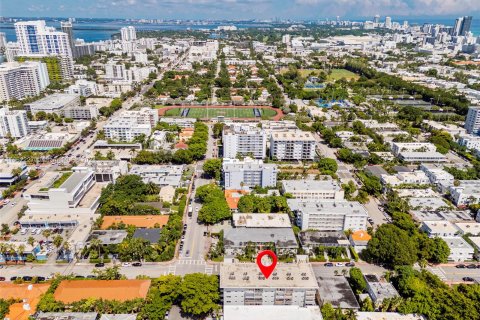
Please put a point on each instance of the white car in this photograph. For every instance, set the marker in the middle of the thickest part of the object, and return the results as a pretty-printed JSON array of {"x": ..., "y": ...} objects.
[
  {"x": 126, "y": 264},
  {"x": 338, "y": 264}
]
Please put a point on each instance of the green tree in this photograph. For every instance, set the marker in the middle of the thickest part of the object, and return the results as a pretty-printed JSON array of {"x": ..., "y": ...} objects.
[
  {"x": 357, "y": 281},
  {"x": 200, "y": 294},
  {"x": 57, "y": 241},
  {"x": 111, "y": 273},
  {"x": 327, "y": 166},
  {"x": 213, "y": 168}
]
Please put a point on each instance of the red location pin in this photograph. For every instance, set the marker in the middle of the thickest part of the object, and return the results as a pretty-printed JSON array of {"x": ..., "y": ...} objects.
[{"x": 267, "y": 270}]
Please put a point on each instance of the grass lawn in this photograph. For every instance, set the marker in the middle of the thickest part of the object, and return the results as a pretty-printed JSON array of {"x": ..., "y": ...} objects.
[
  {"x": 214, "y": 112},
  {"x": 336, "y": 74}
]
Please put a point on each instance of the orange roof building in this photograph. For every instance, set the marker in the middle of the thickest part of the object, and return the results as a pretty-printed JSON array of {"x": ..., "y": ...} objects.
[
  {"x": 29, "y": 293},
  {"x": 70, "y": 291},
  {"x": 148, "y": 221},
  {"x": 181, "y": 145},
  {"x": 359, "y": 240},
  {"x": 186, "y": 134},
  {"x": 233, "y": 196}
]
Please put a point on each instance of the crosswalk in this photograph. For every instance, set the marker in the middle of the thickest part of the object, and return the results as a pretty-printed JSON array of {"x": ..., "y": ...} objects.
[
  {"x": 438, "y": 272},
  {"x": 172, "y": 269},
  {"x": 185, "y": 261}
]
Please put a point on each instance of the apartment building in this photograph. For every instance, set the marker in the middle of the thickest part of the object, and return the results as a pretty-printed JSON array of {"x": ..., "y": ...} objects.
[
  {"x": 21, "y": 80},
  {"x": 108, "y": 170},
  {"x": 460, "y": 250},
  {"x": 249, "y": 172},
  {"x": 161, "y": 175},
  {"x": 472, "y": 121},
  {"x": 58, "y": 192},
  {"x": 119, "y": 72},
  {"x": 11, "y": 171},
  {"x": 122, "y": 129},
  {"x": 13, "y": 123},
  {"x": 313, "y": 189},
  {"x": 244, "y": 139},
  {"x": 469, "y": 141},
  {"x": 292, "y": 145},
  {"x": 329, "y": 215},
  {"x": 440, "y": 229},
  {"x": 143, "y": 116},
  {"x": 416, "y": 177},
  {"x": 181, "y": 122},
  {"x": 467, "y": 192},
  {"x": 289, "y": 284},
  {"x": 403, "y": 147},
  {"x": 84, "y": 88}
]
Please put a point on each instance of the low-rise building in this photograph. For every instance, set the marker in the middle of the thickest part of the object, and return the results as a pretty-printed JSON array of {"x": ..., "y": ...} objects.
[
  {"x": 284, "y": 312},
  {"x": 460, "y": 250},
  {"x": 122, "y": 129},
  {"x": 329, "y": 215},
  {"x": 292, "y": 145},
  {"x": 54, "y": 103},
  {"x": 417, "y": 152},
  {"x": 359, "y": 240},
  {"x": 438, "y": 176},
  {"x": 108, "y": 170},
  {"x": 416, "y": 177},
  {"x": 56, "y": 192},
  {"x": 313, "y": 189},
  {"x": 11, "y": 171},
  {"x": 161, "y": 175},
  {"x": 311, "y": 239},
  {"x": 468, "y": 227},
  {"x": 379, "y": 290},
  {"x": 289, "y": 284},
  {"x": 469, "y": 141},
  {"x": 181, "y": 122},
  {"x": 441, "y": 229},
  {"x": 467, "y": 192},
  {"x": 238, "y": 174},
  {"x": 237, "y": 239},
  {"x": 261, "y": 220}
]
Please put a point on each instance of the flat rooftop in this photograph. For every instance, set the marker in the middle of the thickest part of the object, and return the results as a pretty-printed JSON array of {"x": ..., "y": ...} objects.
[
  {"x": 54, "y": 101},
  {"x": 73, "y": 180},
  {"x": 431, "y": 203},
  {"x": 232, "y": 312},
  {"x": 449, "y": 215},
  {"x": 295, "y": 135},
  {"x": 281, "y": 237},
  {"x": 261, "y": 220},
  {"x": 310, "y": 185},
  {"x": 327, "y": 206},
  {"x": 387, "y": 316},
  {"x": 336, "y": 291},
  {"x": 121, "y": 290},
  {"x": 66, "y": 316},
  {"x": 285, "y": 275},
  {"x": 148, "y": 221}
]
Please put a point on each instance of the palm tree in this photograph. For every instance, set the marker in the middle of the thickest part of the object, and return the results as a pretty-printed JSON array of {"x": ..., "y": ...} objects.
[
  {"x": 344, "y": 272},
  {"x": 335, "y": 272},
  {"x": 47, "y": 233},
  {"x": 152, "y": 188},
  {"x": 20, "y": 252},
  {"x": 96, "y": 243},
  {"x": 30, "y": 241}
]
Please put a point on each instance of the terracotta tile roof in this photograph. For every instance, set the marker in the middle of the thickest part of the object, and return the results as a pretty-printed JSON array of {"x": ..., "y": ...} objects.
[
  {"x": 121, "y": 290},
  {"x": 360, "y": 235},
  {"x": 233, "y": 196},
  {"x": 30, "y": 292},
  {"x": 148, "y": 221}
]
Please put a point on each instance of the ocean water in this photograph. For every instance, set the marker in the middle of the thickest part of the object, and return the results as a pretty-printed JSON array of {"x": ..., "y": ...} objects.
[{"x": 104, "y": 29}]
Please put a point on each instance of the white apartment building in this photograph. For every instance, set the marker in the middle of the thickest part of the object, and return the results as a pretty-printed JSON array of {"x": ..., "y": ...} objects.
[
  {"x": 289, "y": 284},
  {"x": 417, "y": 177},
  {"x": 34, "y": 37},
  {"x": 238, "y": 174},
  {"x": 13, "y": 123},
  {"x": 143, "y": 116},
  {"x": 7, "y": 167},
  {"x": 118, "y": 72},
  {"x": 22, "y": 80},
  {"x": 37, "y": 40},
  {"x": 161, "y": 175},
  {"x": 313, "y": 189},
  {"x": 122, "y": 129},
  {"x": 467, "y": 192},
  {"x": 181, "y": 122},
  {"x": 469, "y": 141},
  {"x": 437, "y": 175},
  {"x": 329, "y": 215},
  {"x": 244, "y": 139},
  {"x": 60, "y": 192},
  {"x": 84, "y": 88},
  {"x": 419, "y": 147},
  {"x": 441, "y": 229},
  {"x": 460, "y": 250},
  {"x": 292, "y": 145},
  {"x": 472, "y": 121},
  {"x": 128, "y": 33}
]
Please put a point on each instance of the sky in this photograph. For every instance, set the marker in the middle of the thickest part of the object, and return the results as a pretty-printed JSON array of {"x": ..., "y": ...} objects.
[{"x": 237, "y": 9}]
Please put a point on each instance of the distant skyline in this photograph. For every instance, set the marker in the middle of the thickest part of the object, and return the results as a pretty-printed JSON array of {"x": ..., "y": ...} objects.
[{"x": 239, "y": 9}]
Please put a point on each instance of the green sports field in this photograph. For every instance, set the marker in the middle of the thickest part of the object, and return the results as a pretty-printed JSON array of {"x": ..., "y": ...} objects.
[{"x": 215, "y": 112}]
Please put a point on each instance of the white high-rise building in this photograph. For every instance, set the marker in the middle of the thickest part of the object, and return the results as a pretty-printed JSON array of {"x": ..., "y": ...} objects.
[
  {"x": 388, "y": 22},
  {"x": 3, "y": 40},
  {"x": 35, "y": 38},
  {"x": 128, "y": 33},
  {"x": 244, "y": 139},
  {"x": 21, "y": 80},
  {"x": 248, "y": 173},
  {"x": 472, "y": 121},
  {"x": 13, "y": 123}
]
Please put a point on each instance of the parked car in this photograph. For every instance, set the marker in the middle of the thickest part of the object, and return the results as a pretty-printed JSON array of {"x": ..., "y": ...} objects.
[
  {"x": 472, "y": 266},
  {"x": 2, "y": 279},
  {"x": 90, "y": 276},
  {"x": 27, "y": 278},
  {"x": 99, "y": 265},
  {"x": 468, "y": 279},
  {"x": 126, "y": 264},
  {"x": 350, "y": 264},
  {"x": 79, "y": 277},
  {"x": 137, "y": 264},
  {"x": 187, "y": 253},
  {"x": 338, "y": 264},
  {"x": 460, "y": 266},
  {"x": 328, "y": 264},
  {"x": 13, "y": 278},
  {"x": 41, "y": 278}
]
